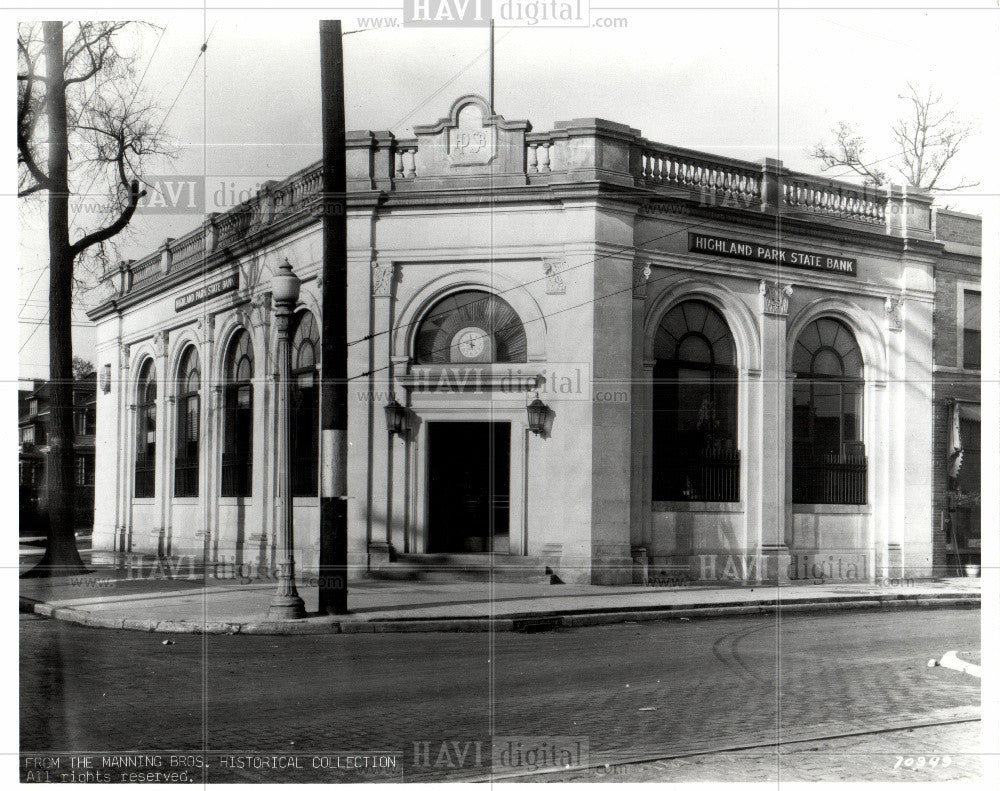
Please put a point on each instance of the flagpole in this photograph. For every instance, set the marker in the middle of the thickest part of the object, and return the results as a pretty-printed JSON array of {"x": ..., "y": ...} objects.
[{"x": 492, "y": 109}]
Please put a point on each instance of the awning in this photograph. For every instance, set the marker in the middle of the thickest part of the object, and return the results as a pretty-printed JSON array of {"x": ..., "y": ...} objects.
[
  {"x": 960, "y": 410},
  {"x": 969, "y": 410}
]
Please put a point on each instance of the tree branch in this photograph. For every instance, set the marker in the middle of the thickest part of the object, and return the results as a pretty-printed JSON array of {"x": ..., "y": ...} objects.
[
  {"x": 135, "y": 195},
  {"x": 31, "y": 190},
  {"x": 24, "y": 151}
]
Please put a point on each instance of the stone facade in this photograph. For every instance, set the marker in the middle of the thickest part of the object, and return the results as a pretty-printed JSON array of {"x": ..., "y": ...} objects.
[{"x": 589, "y": 235}]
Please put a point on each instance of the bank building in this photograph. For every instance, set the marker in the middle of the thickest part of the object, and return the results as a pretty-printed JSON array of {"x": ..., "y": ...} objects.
[{"x": 584, "y": 355}]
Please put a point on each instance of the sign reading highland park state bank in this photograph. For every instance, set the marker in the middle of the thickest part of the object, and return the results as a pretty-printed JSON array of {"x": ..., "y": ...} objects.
[
  {"x": 199, "y": 295},
  {"x": 771, "y": 254}
]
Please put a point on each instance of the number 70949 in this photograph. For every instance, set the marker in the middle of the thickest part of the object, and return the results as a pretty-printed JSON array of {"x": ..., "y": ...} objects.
[{"x": 920, "y": 761}]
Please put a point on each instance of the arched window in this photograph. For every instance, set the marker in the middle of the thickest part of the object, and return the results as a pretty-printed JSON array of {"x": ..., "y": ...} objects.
[
  {"x": 188, "y": 423},
  {"x": 471, "y": 327},
  {"x": 305, "y": 407},
  {"x": 145, "y": 432},
  {"x": 829, "y": 463},
  {"x": 694, "y": 407},
  {"x": 237, "y": 447}
]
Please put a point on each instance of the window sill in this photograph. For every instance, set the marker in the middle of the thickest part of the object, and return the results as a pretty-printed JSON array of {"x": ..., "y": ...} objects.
[
  {"x": 822, "y": 508},
  {"x": 698, "y": 507},
  {"x": 951, "y": 369}
]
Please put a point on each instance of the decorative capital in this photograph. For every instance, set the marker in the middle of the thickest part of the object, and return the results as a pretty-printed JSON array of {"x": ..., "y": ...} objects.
[
  {"x": 554, "y": 283},
  {"x": 640, "y": 279},
  {"x": 382, "y": 274},
  {"x": 160, "y": 343},
  {"x": 774, "y": 298},
  {"x": 262, "y": 305},
  {"x": 894, "y": 313},
  {"x": 256, "y": 312}
]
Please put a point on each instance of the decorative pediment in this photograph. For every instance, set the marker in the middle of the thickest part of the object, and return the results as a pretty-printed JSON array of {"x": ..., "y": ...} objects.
[{"x": 470, "y": 140}]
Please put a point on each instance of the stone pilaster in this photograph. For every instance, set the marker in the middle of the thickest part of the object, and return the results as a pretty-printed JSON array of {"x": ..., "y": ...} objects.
[
  {"x": 383, "y": 445},
  {"x": 775, "y": 448},
  {"x": 640, "y": 394},
  {"x": 158, "y": 529}
]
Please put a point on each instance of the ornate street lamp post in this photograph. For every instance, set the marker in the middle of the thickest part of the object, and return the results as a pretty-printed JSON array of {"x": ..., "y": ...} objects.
[{"x": 286, "y": 604}]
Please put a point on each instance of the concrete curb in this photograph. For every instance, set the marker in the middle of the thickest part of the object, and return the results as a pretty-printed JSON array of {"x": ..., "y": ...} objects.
[{"x": 525, "y": 623}]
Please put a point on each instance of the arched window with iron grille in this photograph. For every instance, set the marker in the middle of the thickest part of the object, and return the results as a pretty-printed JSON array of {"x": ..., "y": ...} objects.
[
  {"x": 305, "y": 407},
  {"x": 829, "y": 464},
  {"x": 695, "y": 454},
  {"x": 188, "y": 424},
  {"x": 237, "y": 446},
  {"x": 145, "y": 432}
]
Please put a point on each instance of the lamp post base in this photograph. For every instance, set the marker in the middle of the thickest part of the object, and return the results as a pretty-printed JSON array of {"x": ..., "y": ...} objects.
[{"x": 286, "y": 608}]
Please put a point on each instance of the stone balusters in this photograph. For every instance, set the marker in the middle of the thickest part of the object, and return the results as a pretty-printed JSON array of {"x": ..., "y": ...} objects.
[
  {"x": 539, "y": 156},
  {"x": 406, "y": 161},
  {"x": 714, "y": 178}
]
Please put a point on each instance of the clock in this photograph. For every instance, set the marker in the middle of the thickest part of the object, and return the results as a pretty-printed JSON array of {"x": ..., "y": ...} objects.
[{"x": 472, "y": 345}]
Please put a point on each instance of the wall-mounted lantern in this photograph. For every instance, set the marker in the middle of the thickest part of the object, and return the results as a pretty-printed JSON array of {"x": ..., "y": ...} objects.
[
  {"x": 537, "y": 413},
  {"x": 395, "y": 417},
  {"x": 106, "y": 378}
]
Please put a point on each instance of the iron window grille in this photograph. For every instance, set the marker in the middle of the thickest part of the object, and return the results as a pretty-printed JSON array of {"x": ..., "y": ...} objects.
[
  {"x": 829, "y": 465},
  {"x": 237, "y": 452},
  {"x": 305, "y": 407},
  {"x": 188, "y": 419},
  {"x": 695, "y": 457},
  {"x": 145, "y": 446}
]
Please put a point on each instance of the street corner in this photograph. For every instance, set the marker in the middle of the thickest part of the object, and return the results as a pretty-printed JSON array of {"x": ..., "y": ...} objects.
[{"x": 966, "y": 662}]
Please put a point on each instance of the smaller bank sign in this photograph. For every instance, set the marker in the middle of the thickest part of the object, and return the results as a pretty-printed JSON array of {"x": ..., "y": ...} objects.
[
  {"x": 199, "y": 295},
  {"x": 771, "y": 254}
]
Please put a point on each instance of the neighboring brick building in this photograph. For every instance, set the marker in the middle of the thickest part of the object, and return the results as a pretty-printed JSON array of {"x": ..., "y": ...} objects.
[
  {"x": 33, "y": 439},
  {"x": 956, "y": 393}
]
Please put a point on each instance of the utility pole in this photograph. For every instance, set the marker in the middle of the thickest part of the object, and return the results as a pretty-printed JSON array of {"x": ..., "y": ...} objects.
[{"x": 333, "y": 380}]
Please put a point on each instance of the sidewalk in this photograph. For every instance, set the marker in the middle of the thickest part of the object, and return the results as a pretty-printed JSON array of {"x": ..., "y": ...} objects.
[{"x": 200, "y": 603}]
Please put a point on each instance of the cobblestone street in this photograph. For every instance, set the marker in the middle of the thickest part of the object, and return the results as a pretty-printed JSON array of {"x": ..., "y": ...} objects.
[
  {"x": 949, "y": 752},
  {"x": 630, "y": 692}
]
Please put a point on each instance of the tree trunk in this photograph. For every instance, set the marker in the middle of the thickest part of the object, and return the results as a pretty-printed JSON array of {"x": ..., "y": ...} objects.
[{"x": 61, "y": 555}]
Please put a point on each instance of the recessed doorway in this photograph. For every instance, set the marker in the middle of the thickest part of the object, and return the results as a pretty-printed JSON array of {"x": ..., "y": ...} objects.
[{"x": 468, "y": 487}]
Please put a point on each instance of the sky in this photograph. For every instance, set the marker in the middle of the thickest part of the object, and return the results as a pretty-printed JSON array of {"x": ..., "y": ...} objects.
[{"x": 747, "y": 80}]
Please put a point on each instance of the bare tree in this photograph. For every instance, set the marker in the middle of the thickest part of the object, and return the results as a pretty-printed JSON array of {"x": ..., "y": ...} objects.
[
  {"x": 82, "y": 367},
  {"x": 76, "y": 81},
  {"x": 927, "y": 137}
]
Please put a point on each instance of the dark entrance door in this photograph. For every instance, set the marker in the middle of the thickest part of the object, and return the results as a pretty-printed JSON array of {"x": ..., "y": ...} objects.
[{"x": 468, "y": 487}]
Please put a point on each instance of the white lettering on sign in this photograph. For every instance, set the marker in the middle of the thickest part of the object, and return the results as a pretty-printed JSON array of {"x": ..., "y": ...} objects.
[
  {"x": 199, "y": 295},
  {"x": 771, "y": 254}
]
